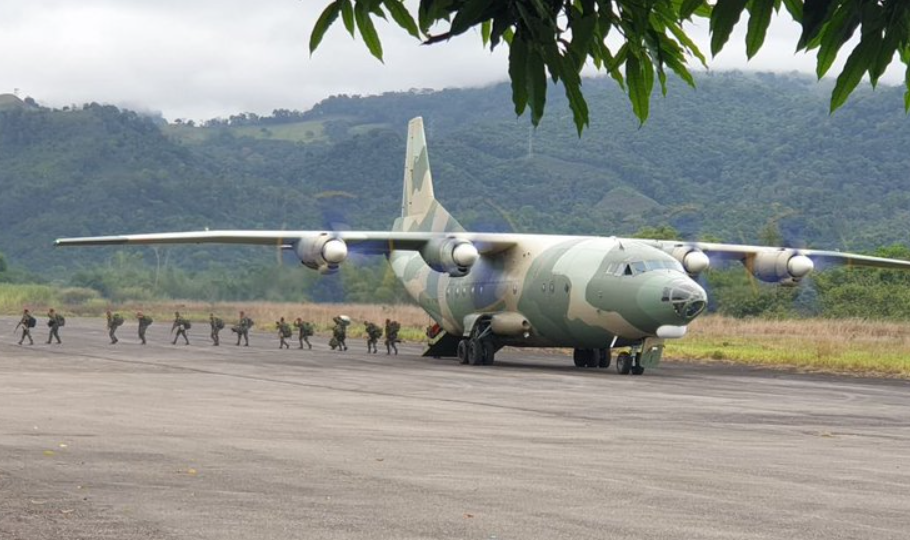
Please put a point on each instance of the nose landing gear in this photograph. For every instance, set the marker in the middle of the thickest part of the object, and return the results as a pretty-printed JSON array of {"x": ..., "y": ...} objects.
[{"x": 627, "y": 364}]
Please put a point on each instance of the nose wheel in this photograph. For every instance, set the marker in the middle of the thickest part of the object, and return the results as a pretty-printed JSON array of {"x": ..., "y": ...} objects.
[{"x": 627, "y": 364}]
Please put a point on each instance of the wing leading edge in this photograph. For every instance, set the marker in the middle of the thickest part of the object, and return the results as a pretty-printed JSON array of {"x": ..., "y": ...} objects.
[
  {"x": 373, "y": 242},
  {"x": 746, "y": 253}
]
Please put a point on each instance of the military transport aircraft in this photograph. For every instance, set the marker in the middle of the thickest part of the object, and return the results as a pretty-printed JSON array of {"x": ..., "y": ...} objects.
[{"x": 489, "y": 290}]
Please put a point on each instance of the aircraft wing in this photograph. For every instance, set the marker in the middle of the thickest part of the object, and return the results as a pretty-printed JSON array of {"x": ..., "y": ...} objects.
[
  {"x": 746, "y": 253},
  {"x": 373, "y": 242}
]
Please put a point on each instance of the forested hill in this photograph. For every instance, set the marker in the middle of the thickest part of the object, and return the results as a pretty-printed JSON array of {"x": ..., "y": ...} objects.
[{"x": 721, "y": 161}]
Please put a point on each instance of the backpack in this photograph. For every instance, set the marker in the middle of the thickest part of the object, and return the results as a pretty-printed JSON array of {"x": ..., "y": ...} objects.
[
  {"x": 249, "y": 322},
  {"x": 117, "y": 320},
  {"x": 219, "y": 324},
  {"x": 32, "y": 322},
  {"x": 61, "y": 320},
  {"x": 286, "y": 331},
  {"x": 186, "y": 324}
]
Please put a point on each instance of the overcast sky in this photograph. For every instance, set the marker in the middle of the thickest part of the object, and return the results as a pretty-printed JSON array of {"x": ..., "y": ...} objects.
[{"x": 200, "y": 59}]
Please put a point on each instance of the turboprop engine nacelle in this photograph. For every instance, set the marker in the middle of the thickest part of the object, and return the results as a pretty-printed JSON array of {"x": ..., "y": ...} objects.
[
  {"x": 452, "y": 256},
  {"x": 323, "y": 253},
  {"x": 510, "y": 323},
  {"x": 784, "y": 267},
  {"x": 693, "y": 260}
]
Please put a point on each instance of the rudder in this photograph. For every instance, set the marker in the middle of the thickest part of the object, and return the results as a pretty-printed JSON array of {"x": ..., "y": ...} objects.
[{"x": 420, "y": 211}]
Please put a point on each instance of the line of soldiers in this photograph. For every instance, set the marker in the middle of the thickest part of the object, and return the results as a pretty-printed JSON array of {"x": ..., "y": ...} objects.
[
  {"x": 28, "y": 321},
  {"x": 373, "y": 331},
  {"x": 181, "y": 324}
]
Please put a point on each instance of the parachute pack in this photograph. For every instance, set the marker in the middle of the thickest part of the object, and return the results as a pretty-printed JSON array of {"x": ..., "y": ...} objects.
[
  {"x": 61, "y": 320},
  {"x": 219, "y": 324},
  {"x": 32, "y": 322},
  {"x": 117, "y": 320},
  {"x": 186, "y": 324}
]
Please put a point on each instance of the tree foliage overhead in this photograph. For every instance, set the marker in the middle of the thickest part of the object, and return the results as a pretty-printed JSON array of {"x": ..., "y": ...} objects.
[{"x": 635, "y": 41}]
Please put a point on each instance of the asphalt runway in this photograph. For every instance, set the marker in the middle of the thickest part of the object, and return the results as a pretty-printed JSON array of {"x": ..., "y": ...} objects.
[{"x": 201, "y": 442}]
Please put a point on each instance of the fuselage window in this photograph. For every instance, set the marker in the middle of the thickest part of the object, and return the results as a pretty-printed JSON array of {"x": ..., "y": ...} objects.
[{"x": 552, "y": 288}]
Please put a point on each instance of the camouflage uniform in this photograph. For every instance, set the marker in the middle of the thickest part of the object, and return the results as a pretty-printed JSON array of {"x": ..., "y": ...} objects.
[
  {"x": 217, "y": 324},
  {"x": 305, "y": 330},
  {"x": 114, "y": 320},
  {"x": 25, "y": 322},
  {"x": 373, "y": 335},
  {"x": 284, "y": 332},
  {"x": 391, "y": 336},
  {"x": 243, "y": 329},
  {"x": 339, "y": 334},
  {"x": 54, "y": 321},
  {"x": 144, "y": 322},
  {"x": 181, "y": 325}
]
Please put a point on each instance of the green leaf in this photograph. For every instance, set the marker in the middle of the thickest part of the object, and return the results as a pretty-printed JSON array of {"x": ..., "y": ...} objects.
[
  {"x": 907, "y": 93},
  {"x": 795, "y": 7},
  {"x": 347, "y": 16},
  {"x": 401, "y": 16},
  {"x": 687, "y": 42},
  {"x": 367, "y": 30},
  {"x": 582, "y": 34},
  {"x": 485, "y": 30},
  {"x": 688, "y": 7},
  {"x": 469, "y": 14},
  {"x": 759, "y": 19},
  {"x": 835, "y": 33},
  {"x": 724, "y": 17},
  {"x": 857, "y": 63},
  {"x": 518, "y": 73},
  {"x": 329, "y": 14},
  {"x": 814, "y": 15},
  {"x": 640, "y": 81},
  {"x": 537, "y": 85}
]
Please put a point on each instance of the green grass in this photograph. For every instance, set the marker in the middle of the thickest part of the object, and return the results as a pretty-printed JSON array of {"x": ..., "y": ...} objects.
[{"x": 305, "y": 132}]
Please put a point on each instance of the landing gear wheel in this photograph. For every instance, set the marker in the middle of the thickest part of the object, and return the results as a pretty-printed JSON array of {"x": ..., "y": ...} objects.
[
  {"x": 581, "y": 357},
  {"x": 603, "y": 358},
  {"x": 462, "y": 351},
  {"x": 489, "y": 351},
  {"x": 637, "y": 370},
  {"x": 475, "y": 352},
  {"x": 623, "y": 363}
]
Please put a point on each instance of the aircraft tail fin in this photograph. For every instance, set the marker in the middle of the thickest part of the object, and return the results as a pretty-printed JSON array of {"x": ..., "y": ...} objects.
[{"x": 420, "y": 211}]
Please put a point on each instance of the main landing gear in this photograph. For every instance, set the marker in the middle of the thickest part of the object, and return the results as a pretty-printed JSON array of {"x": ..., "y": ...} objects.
[
  {"x": 592, "y": 358},
  {"x": 479, "y": 349}
]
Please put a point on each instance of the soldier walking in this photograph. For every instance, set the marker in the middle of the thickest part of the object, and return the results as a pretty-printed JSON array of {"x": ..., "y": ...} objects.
[
  {"x": 114, "y": 320},
  {"x": 284, "y": 332},
  {"x": 54, "y": 322},
  {"x": 181, "y": 325},
  {"x": 27, "y": 322},
  {"x": 217, "y": 325},
  {"x": 144, "y": 322},
  {"x": 391, "y": 336},
  {"x": 243, "y": 329},
  {"x": 304, "y": 331},
  {"x": 339, "y": 334},
  {"x": 373, "y": 335}
]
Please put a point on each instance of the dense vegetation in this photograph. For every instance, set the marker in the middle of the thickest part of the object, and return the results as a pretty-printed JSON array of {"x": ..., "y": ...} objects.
[{"x": 725, "y": 162}]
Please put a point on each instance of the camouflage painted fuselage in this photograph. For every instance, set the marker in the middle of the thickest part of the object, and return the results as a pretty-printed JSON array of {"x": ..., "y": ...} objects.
[{"x": 575, "y": 291}]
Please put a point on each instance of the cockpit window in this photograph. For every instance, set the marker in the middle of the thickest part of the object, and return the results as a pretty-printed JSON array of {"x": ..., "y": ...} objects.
[{"x": 640, "y": 267}]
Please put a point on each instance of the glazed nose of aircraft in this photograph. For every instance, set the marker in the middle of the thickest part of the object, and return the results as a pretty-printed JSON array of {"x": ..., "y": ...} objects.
[{"x": 686, "y": 298}]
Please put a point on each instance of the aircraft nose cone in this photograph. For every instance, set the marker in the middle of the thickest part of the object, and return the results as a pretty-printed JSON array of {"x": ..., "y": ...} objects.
[{"x": 686, "y": 299}]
